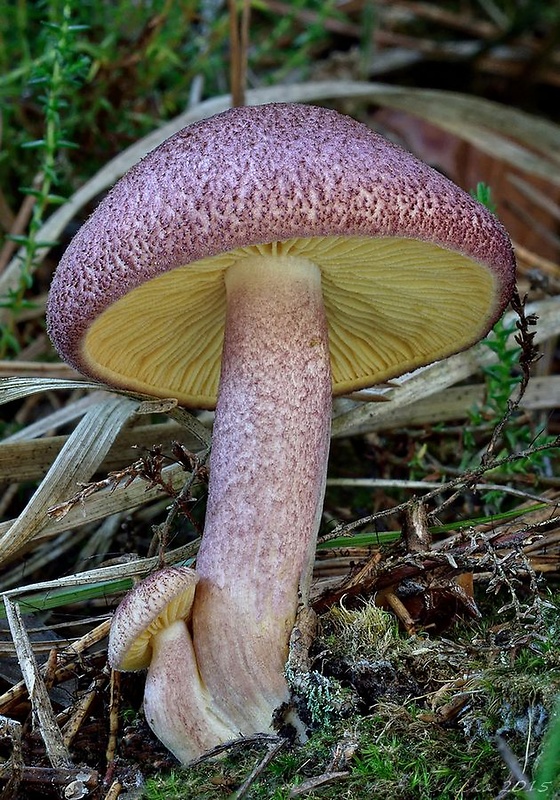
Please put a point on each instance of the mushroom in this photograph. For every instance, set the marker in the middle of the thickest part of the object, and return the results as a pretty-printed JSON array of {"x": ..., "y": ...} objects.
[
  {"x": 150, "y": 631},
  {"x": 260, "y": 261}
]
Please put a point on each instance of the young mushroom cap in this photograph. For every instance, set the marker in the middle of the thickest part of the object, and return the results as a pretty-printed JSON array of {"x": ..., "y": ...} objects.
[
  {"x": 150, "y": 631},
  {"x": 138, "y": 300},
  {"x": 154, "y": 604}
]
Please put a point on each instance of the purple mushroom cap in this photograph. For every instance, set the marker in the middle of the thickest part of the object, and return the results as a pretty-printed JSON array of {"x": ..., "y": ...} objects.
[{"x": 255, "y": 176}]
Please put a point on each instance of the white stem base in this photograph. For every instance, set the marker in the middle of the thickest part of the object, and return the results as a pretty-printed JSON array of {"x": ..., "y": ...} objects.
[{"x": 178, "y": 708}]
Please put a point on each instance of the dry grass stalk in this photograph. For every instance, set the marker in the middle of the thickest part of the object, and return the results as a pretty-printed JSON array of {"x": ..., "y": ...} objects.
[{"x": 57, "y": 751}]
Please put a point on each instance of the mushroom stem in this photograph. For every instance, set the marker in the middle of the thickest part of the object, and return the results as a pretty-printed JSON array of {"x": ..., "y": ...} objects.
[
  {"x": 267, "y": 480},
  {"x": 178, "y": 708}
]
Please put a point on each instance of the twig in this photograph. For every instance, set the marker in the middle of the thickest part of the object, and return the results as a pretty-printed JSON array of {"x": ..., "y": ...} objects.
[
  {"x": 57, "y": 751},
  {"x": 239, "y": 46},
  {"x": 114, "y": 791},
  {"x": 315, "y": 783},
  {"x": 450, "y": 19},
  {"x": 522, "y": 781},
  {"x": 72, "y": 778},
  {"x": 272, "y": 752},
  {"x": 383, "y": 483},
  {"x": 238, "y": 744},
  {"x": 114, "y": 708},
  {"x": 20, "y": 223},
  {"x": 34, "y": 369},
  {"x": 13, "y": 769},
  {"x": 307, "y": 17},
  {"x": 81, "y": 710},
  {"x": 66, "y": 669},
  {"x": 196, "y": 470},
  {"x": 529, "y": 354},
  {"x": 534, "y": 259}
]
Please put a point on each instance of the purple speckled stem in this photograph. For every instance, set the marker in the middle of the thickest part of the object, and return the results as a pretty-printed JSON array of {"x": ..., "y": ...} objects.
[{"x": 267, "y": 480}]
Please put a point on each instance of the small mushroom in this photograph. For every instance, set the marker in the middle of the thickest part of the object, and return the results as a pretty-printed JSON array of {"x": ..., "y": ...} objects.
[
  {"x": 260, "y": 261},
  {"x": 150, "y": 630}
]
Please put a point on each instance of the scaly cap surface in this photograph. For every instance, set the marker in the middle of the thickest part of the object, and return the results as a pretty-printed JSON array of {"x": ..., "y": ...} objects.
[{"x": 138, "y": 298}]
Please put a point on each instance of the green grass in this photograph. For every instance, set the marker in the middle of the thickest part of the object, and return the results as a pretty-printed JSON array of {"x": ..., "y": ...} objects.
[{"x": 410, "y": 766}]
